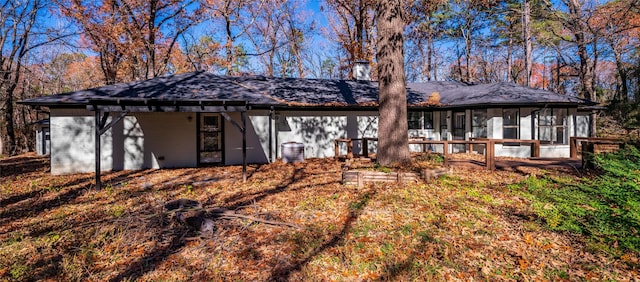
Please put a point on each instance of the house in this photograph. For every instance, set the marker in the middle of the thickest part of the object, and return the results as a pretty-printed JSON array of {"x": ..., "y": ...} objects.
[{"x": 196, "y": 119}]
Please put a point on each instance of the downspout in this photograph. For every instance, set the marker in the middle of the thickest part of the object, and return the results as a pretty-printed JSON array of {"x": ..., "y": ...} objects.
[{"x": 271, "y": 135}]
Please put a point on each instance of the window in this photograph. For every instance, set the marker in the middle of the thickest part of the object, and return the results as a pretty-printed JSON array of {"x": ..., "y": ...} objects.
[
  {"x": 420, "y": 120},
  {"x": 479, "y": 123},
  {"x": 511, "y": 123},
  {"x": 428, "y": 120},
  {"x": 415, "y": 120},
  {"x": 552, "y": 126}
]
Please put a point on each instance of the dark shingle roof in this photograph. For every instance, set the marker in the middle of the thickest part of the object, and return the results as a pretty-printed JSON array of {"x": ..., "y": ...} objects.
[{"x": 300, "y": 92}]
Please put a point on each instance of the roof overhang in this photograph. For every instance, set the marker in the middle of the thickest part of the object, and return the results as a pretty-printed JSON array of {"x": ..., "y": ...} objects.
[{"x": 158, "y": 105}]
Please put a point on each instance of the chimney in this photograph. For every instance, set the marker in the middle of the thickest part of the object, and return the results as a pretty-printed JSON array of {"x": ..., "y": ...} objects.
[{"x": 361, "y": 70}]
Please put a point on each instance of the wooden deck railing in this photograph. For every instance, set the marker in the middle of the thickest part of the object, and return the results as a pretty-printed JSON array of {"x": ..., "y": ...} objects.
[
  {"x": 488, "y": 143},
  {"x": 489, "y": 155},
  {"x": 576, "y": 142},
  {"x": 490, "y": 163}
]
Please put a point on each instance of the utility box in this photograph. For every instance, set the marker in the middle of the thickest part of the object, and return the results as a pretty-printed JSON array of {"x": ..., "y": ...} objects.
[{"x": 292, "y": 152}]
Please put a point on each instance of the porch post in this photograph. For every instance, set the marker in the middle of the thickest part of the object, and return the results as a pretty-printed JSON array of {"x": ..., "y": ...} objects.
[
  {"x": 97, "y": 149},
  {"x": 243, "y": 116}
]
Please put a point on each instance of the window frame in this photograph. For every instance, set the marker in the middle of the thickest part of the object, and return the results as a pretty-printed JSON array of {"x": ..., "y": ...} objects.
[
  {"x": 444, "y": 128},
  {"x": 474, "y": 124},
  {"x": 511, "y": 126},
  {"x": 421, "y": 120},
  {"x": 553, "y": 123}
]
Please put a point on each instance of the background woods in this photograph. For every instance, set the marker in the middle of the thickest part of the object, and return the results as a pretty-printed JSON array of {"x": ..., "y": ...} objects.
[{"x": 575, "y": 47}]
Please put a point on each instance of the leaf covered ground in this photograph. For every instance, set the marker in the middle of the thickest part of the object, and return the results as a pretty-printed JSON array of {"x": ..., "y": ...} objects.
[{"x": 470, "y": 225}]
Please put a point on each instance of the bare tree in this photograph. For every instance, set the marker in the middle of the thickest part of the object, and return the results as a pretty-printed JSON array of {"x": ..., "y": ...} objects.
[
  {"x": 526, "y": 35},
  {"x": 138, "y": 36},
  {"x": 351, "y": 23},
  {"x": 19, "y": 35}
]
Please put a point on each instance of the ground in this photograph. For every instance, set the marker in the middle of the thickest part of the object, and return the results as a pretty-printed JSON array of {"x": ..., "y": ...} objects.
[{"x": 469, "y": 225}]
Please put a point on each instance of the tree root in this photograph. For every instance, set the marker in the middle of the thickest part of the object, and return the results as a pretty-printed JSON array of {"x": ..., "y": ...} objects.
[{"x": 192, "y": 213}]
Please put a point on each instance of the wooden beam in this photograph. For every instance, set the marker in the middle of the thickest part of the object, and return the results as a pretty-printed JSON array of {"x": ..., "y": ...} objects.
[
  {"x": 97, "y": 150},
  {"x": 365, "y": 147},
  {"x": 243, "y": 116},
  {"x": 104, "y": 128}
]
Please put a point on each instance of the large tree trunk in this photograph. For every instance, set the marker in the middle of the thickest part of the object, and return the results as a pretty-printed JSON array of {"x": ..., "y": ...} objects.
[{"x": 393, "y": 139}]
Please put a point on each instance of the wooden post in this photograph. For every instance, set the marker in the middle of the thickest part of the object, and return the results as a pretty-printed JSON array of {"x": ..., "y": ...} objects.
[
  {"x": 487, "y": 159},
  {"x": 337, "y": 148},
  {"x": 536, "y": 149},
  {"x": 243, "y": 116},
  {"x": 492, "y": 144},
  {"x": 97, "y": 149},
  {"x": 350, "y": 149},
  {"x": 360, "y": 179},
  {"x": 445, "y": 152},
  {"x": 365, "y": 147},
  {"x": 587, "y": 159},
  {"x": 573, "y": 147}
]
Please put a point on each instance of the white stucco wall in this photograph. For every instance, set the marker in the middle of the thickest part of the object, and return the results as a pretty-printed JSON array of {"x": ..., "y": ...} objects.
[
  {"x": 168, "y": 140},
  {"x": 140, "y": 140},
  {"x": 554, "y": 151},
  {"x": 317, "y": 130},
  {"x": 257, "y": 138},
  {"x": 582, "y": 124},
  {"x": 72, "y": 142},
  {"x": 163, "y": 140}
]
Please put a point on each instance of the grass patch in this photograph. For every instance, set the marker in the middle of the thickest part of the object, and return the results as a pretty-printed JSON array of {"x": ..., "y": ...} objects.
[{"x": 604, "y": 207}]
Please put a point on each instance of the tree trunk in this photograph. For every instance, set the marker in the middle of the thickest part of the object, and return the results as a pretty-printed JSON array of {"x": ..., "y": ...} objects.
[
  {"x": 229, "y": 46},
  {"x": 526, "y": 34},
  {"x": 579, "y": 30},
  {"x": 429, "y": 51},
  {"x": 8, "y": 117},
  {"x": 467, "y": 49},
  {"x": 622, "y": 93},
  {"x": 393, "y": 139},
  {"x": 509, "y": 60}
]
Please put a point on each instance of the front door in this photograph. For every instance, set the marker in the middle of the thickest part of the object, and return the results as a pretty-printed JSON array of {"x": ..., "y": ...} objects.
[
  {"x": 210, "y": 139},
  {"x": 459, "y": 128}
]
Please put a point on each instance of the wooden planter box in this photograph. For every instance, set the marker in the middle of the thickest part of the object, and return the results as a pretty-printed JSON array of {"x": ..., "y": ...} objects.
[{"x": 359, "y": 178}]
